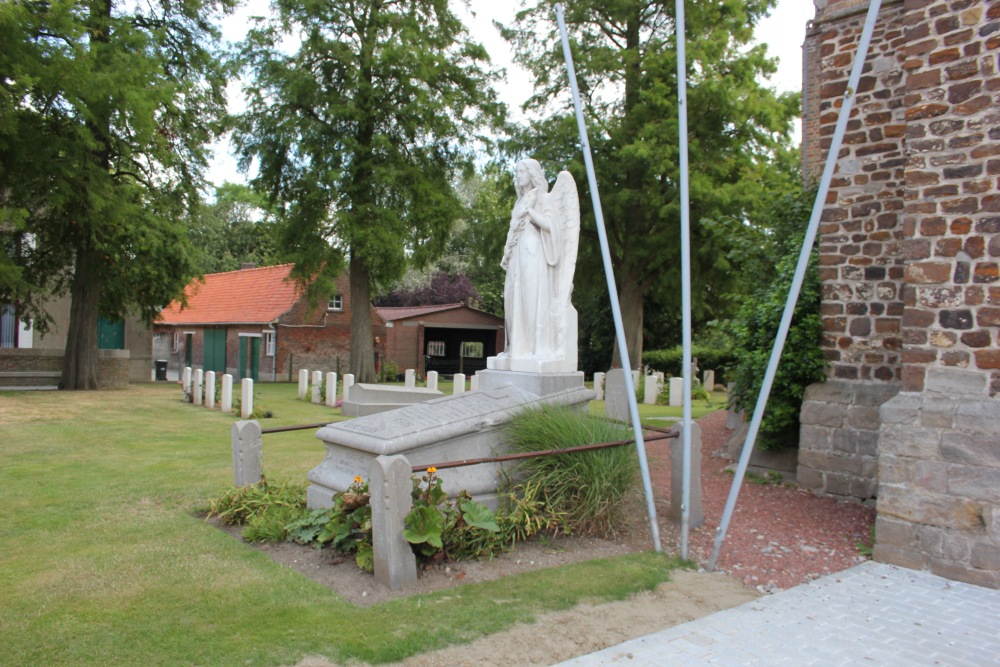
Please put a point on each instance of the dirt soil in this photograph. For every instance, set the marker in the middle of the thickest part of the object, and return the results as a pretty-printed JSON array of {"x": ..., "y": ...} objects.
[{"x": 779, "y": 537}]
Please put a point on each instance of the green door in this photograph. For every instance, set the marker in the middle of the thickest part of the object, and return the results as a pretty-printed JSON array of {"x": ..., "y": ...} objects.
[
  {"x": 188, "y": 346},
  {"x": 215, "y": 350},
  {"x": 249, "y": 367},
  {"x": 110, "y": 334}
]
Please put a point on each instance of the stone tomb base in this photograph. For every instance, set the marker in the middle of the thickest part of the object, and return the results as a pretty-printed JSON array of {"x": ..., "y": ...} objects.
[
  {"x": 463, "y": 426},
  {"x": 369, "y": 399}
]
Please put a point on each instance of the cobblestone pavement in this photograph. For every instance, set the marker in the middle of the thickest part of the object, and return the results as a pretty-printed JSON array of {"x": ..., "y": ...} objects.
[{"x": 871, "y": 614}]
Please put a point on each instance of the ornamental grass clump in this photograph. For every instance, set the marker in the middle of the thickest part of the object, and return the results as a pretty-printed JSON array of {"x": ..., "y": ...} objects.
[{"x": 590, "y": 490}]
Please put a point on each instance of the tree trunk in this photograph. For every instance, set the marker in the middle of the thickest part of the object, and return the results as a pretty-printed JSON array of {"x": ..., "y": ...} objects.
[
  {"x": 80, "y": 360},
  {"x": 362, "y": 334},
  {"x": 630, "y": 298}
]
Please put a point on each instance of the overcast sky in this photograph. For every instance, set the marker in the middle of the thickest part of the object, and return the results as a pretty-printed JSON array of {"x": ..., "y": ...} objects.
[{"x": 783, "y": 32}]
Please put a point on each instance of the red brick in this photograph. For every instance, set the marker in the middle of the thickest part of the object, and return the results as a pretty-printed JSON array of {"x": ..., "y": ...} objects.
[
  {"x": 913, "y": 378},
  {"x": 985, "y": 272},
  {"x": 914, "y": 317},
  {"x": 928, "y": 273},
  {"x": 926, "y": 111},
  {"x": 974, "y": 105},
  {"x": 988, "y": 359},
  {"x": 975, "y": 246},
  {"x": 961, "y": 226},
  {"x": 948, "y": 247},
  {"x": 923, "y": 79}
]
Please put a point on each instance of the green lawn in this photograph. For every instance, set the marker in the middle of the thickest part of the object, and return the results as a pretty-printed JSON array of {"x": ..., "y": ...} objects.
[{"x": 103, "y": 560}]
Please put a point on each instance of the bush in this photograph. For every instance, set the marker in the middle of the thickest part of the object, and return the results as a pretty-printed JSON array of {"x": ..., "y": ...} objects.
[
  {"x": 264, "y": 509},
  {"x": 756, "y": 327},
  {"x": 589, "y": 489}
]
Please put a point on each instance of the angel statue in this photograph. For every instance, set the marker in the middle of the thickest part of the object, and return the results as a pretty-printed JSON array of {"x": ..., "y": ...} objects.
[{"x": 540, "y": 258}]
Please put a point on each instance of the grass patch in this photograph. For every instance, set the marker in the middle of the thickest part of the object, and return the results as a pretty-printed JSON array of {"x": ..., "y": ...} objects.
[{"x": 104, "y": 562}]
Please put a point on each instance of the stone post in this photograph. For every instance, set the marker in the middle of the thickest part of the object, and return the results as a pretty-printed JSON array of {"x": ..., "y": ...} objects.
[
  {"x": 246, "y": 398},
  {"x": 411, "y": 378},
  {"x": 198, "y": 388},
  {"x": 303, "y": 383},
  {"x": 635, "y": 379},
  {"x": 616, "y": 402},
  {"x": 331, "y": 390},
  {"x": 676, "y": 392},
  {"x": 186, "y": 383},
  {"x": 227, "y": 393},
  {"x": 248, "y": 452},
  {"x": 459, "y": 381},
  {"x": 650, "y": 390},
  {"x": 432, "y": 379},
  {"x": 599, "y": 385},
  {"x": 474, "y": 382},
  {"x": 317, "y": 380},
  {"x": 210, "y": 390},
  {"x": 348, "y": 383},
  {"x": 696, "y": 516},
  {"x": 390, "y": 487}
]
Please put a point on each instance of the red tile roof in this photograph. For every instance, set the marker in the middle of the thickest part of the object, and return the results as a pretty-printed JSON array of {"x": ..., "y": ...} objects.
[
  {"x": 236, "y": 297},
  {"x": 403, "y": 312}
]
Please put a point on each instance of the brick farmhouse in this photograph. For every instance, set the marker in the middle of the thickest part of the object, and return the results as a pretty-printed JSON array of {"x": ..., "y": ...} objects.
[{"x": 257, "y": 323}]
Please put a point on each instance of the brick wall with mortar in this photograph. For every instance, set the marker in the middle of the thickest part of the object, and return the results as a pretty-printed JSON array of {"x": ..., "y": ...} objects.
[
  {"x": 860, "y": 239},
  {"x": 938, "y": 439}
]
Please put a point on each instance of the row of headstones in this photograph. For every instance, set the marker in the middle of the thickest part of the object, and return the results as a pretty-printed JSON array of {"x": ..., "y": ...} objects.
[
  {"x": 312, "y": 390},
  {"x": 199, "y": 385},
  {"x": 653, "y": 385}
]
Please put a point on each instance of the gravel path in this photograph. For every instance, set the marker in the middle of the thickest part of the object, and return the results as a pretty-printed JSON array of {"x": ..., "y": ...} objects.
[{"x": 779, "y": 536}]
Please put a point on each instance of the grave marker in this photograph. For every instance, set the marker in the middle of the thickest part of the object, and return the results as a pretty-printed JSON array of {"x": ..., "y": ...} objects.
[{"x": 390, "y": 486}]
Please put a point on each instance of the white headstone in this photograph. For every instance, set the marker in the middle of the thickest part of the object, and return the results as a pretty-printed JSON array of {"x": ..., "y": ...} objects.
[
  {"x": 303, "y": 384},
  {"x": 650, "y": 389},
  {"x": 432, "y": 379},
  {"x": 411, "y": 377},
  {"x": 459, "y": 381},
  {"x": 599, "y": 385},
  {"x": 186, "y": 382},
  {"x": 210, "y": 389},
  {"x": 709, "y": 380},
  {"x": 246, "y": 398},
  {"x": 676, "y": 392},
  {"x": 227, "y": 393},
  {"x": 331, "y": 390},
  {"x": 317, "y": 380},
  {"x": 616, "y": 396},
  {"x": 474, "y": 383},
  {"x": 248, "y": 453},
  {"x": 199, "y": 387},
  {"x": 348, "y": 383},
  {"x": 635, "y": 380}
]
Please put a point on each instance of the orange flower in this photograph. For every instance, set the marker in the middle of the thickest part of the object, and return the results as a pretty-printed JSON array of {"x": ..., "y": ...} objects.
[
  {"x": 358, "y": 480},
  {"x": 432, "y": 470}
]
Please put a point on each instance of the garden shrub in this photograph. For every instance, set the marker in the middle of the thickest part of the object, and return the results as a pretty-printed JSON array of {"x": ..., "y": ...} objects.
[
  {"x": 590, "y": 490},
  {"x": 756, "y": 326}
]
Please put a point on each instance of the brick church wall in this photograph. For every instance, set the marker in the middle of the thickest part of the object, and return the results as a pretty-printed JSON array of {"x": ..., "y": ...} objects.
[{"x": 910, "y": 249}]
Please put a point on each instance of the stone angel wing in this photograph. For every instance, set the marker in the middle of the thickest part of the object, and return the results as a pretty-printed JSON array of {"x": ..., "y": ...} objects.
[{"x": 563, "y": 209}]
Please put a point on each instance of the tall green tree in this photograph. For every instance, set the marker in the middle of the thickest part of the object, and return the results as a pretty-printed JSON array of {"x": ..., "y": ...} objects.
[
  {"x": 625, "y": 57},
  {"x": 107, "y": 111},
  {"x": 237, "y": 228},
  {"x": 358, "y": 133}
]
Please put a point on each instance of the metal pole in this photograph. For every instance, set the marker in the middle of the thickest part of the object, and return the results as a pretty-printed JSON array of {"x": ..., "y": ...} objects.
[
  {"x": 800, "y": 271},
  {"x": 682, "y": 131},
  {"x": 633, "y": 405}
]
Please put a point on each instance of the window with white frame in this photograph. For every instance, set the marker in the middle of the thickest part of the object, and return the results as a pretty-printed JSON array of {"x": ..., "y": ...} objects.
[
  {"x": 336, "y": 302},
  {"x": 472, "y": 349},
  {"x": 269, "y": 343},
  {"x": 435, "y": 348}
]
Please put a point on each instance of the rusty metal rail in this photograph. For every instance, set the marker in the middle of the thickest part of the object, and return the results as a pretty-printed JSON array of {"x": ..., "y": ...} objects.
[{"x": 665, "y": 434}]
